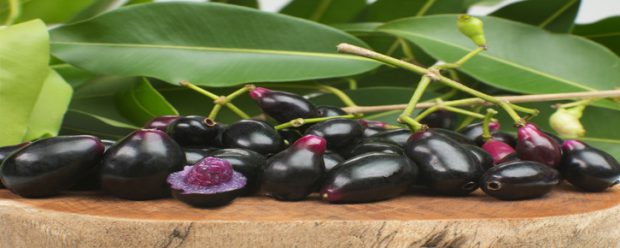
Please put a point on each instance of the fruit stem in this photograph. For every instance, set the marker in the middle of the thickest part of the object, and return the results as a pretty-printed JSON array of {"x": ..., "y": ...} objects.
[
  {"x": 462, "y": 61},
  {"x": 486, "y": 131},
  {"x": 14, "y": 12},
  {"x": 339, "y": 93},
  {"x": 446, "y": 106},
  {"x": 431, "y": 72},
  {"x": 352, "y": 83},
  {"x": 417, "y": 94},
  {"x": 413, "y": 124},
  {"x": 584, "y": 102},
  {"x": 218, "y": 100},
  {"x": 299, "y": 121}
]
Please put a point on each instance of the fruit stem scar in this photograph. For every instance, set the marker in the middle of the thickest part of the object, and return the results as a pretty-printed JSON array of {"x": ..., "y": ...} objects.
[{"x": 494, "y": 185}]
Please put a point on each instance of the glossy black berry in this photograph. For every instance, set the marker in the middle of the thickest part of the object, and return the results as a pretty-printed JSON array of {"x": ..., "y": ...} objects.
[
  {"x": 440, "y": 119},
  {"x": 519, "y": 180},
  {"x": 283, "y": 106},
  {"x": 330, "y": 111},
  {"x": 253, "y": 135},
  {"x": 372, "y": 127},
  {"x": 294, "y": 173},
  {"x": 338, "y": 132},
  {"x": 5, "y": 151},
  {"x": 290, "y": 135},
  {"x": 482, "y": 157},
  {"x": 136, "y": 167},
  {"x": 331, "y": 159},
  {"x": 369, "y": 177},
  {"x": 588, "y": 168},
  {"x": 161, "y": 123},
  {"x": 369, "y": 146},
  {"x": 193, "y": 155},
  {"x": 194, "y": 131},
  {"x": 454, "y": 136},
  {"x": 446, "y": 167},
  {"x": 49, "y": 166},
  {"x": 397, "y": 136},
  {"x": 474, "y": 131},
  {"x": 246, "y": 162}
]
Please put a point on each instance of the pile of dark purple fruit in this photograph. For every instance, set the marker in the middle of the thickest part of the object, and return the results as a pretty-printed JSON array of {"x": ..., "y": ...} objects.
[{"x": 206, "y": 164}]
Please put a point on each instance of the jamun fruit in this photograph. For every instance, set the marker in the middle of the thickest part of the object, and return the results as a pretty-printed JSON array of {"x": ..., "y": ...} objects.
[
  {"x": 519, "y": 180},
  {"x": 253, "y": 135},
  {"x": 283, "y": 106},
  {"x": 588, "y": 168}
]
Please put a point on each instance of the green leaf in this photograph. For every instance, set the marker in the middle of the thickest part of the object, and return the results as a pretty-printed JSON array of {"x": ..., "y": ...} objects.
[
  {"x": 47, "y": 114},
  {"x": 245, "y": 3},
  {"x": 77, "y": 122},
  {"x": 604, "y": 32},
  {"x": 605, "y": 135},
  {"x": 74, "y": 76},
  {"x": 50, "y": 11},
  {"x": 24, "y": 52},
  {"x": 96, "y": 8},
  {"x": 325, "y": 11},
  {"x": 553, "y": 15},
  {"x": 387, "y": 10},
  {"x": 194, "y": 41},
  {"x": 520, "y": 58},
  {"x": 142, "y": 103}
]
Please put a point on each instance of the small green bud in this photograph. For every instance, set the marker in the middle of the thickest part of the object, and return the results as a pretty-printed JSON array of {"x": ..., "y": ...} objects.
[
  {"x": 473, "y": 28},
  {"x": 566, "y": 122}
]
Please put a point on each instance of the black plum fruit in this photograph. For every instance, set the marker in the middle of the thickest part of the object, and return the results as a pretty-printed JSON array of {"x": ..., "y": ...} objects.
[
  {"x": 398, "y": 136},
  {"x": 108, "y": 143},
  {"x": 330, "y": 111},
  {"x": 446, "y": 167},
  {"x": 440, "y": 119},
  {"x": 331, "y": 159},
  {"x": 49, "y": 166},
  {"x": 137, "y": 166},
  {"x": 211, "y": 182},
  {"x": 193, "y": 155},
  {"x": 246, "y": 162},
  {"x": 5, "y": 151},
  {"x": 474, "y": 131},
  {"x": 499, "y": 136},
  {"x": 294, "y": 173},
  {"x": 369, "y": 177},
  {"x": 500, "y": 151},
  {"x": 161, "y": 123},
  {"x": 253, "y": 135},
  {"x": 372, "y": 127},
  {"x": 338, "y": 132},
  {"x": 454, "y": 136},
  {"x": 194, "y": 131},
  {"x": 367, "y": 146},
  {"x": 588, "y": 168},
  {"x": 534, "y": 145},
  {"x": 483, "y": 158},
  {"x": 283, "y": 106},
  {"x": 519, "y": 180}
]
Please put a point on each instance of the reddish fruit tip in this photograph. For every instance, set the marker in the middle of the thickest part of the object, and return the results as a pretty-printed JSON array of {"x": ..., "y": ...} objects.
[
  {"x": 494, "y": 126},
  {"x": 529, "y": 130},
  {"x": 258, "y": 92},
  {"x": 419, "y": 135},
  {"x": 330, "y": 194},
  {"x": 498, "y": 150},
  {"x": 313, "y": 143},
  {"x": 572, "y": 145},
  {"x": 371, "y": 124}
]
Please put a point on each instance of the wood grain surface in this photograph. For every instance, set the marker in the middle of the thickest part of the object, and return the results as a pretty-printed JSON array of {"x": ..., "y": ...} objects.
[{"x": 565, "y": 218}]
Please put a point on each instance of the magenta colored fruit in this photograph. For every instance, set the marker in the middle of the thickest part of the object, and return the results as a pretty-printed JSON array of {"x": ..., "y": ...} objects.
[
  {"x": 534, "y": 145},
  {"x": 210, "y": 183},
  {"x": 161, "y": 122},
  {"x": 498, "y": 150}
]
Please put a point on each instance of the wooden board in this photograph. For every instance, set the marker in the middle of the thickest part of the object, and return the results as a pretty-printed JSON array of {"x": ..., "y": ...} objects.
[{"x": 565, "y": 218}]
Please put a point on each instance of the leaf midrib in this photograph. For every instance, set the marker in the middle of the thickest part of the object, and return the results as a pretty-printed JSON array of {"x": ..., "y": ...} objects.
[
  {"x": 216, "y": 49},
  {"x": 557, "y": 14},
  {"x": 497, "y": 59}
]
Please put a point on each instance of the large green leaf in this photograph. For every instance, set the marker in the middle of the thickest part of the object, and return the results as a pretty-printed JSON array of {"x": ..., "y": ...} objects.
[
  {"x": 553, "y": 15},
  {"x": 142, "y": 103},
  {"x": 78, "y": 122},
  {"x": 520, "y": 58},
  {"x": 605, "y": 32},
  {"x": 325, "y": 11},
  {"x": 50, "y": 11},
  {"x": 24, "y": 52},
  {"x": 95, "y": 8},
  {"x": 387, "y": 10},
  {"x": 245, "y": 3},
  {"x": 46, "y": 117},
  {"x": 206, "y": 43}
]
